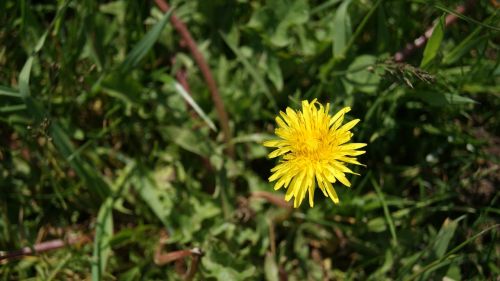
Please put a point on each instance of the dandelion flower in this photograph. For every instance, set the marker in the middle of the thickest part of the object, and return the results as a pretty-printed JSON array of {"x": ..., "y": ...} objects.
[{"x": 315, "y": 150}]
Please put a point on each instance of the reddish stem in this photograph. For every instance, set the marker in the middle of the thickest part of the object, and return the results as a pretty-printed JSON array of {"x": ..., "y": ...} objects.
[
  {"x": 43, "y": 247},
  {"x": 207, "y": 74},
  {"x": 271, "y": 198}
]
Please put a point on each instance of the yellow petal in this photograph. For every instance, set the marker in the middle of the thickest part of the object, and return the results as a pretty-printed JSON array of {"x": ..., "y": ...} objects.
[
  {"x": 308, "y": 181},
  {"x": 331, "y": 192},
  {"x": 299, "y": 184},
  {"x": 321, "y": 183},
  {"x": 281, "y": 123},
  {"x": 353, "y": 152},
  {"x": 349, "y": 160},
  {"x": 273, "y": 143},
  {"x": 349, "y": 125},
  {"x": 339, "y": 115},
  {"x": 294, "y": 186},
  {"x": 341, "y": 177},
  {"x": 311, "y": 195},
  {"x": 342, "y": 168},
  {"x": 351, "y": 146},
  {"x": 289, "y": 191},
  {"x": 279, "y": 151}
]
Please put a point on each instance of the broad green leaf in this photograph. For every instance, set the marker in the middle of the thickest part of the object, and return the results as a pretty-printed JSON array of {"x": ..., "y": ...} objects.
[
  {"x": 362, "y": 75},
  {"x": 445, "y": 235},
  {"x": 342, "y": 29},
  {"x": 432, "y": 46},
  {"x": 103, "y": 234},
  {"x": 270, "y": 268},
  {"x": 145, "y": 44}
]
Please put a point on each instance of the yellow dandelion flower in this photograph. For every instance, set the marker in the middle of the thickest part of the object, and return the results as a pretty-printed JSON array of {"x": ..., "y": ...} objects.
[{"x": 314, "y": 149}]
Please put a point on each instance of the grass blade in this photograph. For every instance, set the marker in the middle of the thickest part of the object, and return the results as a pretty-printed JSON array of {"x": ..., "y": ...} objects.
[
  {"x": 9, "y": 92},
  {"x": 342, "y": 29},
  {"x": 432, "y": 47},
  {"x": 103, "y": 234},
  {"x": 450, "y": 253},
  {"x": 24, "y": 78},
  {"x": 387, "y": 214},
  {"x": 445, "y": 235},
  {"x": 466, "y": 18},
  {"x": 188, "y": 98},
  {"x": 13, "y": 108},
  {"x": 142, "y": 48}
]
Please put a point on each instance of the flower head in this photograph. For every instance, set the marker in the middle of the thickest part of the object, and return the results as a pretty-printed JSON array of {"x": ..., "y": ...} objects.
[{"x": 314, "y": 148}]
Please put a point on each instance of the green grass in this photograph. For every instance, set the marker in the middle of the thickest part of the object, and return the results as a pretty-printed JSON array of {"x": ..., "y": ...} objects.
[{"x": 99, "y": 140}]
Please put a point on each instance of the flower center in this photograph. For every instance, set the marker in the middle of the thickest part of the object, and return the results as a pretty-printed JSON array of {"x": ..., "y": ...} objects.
[{"x": 311, "y": 146}]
